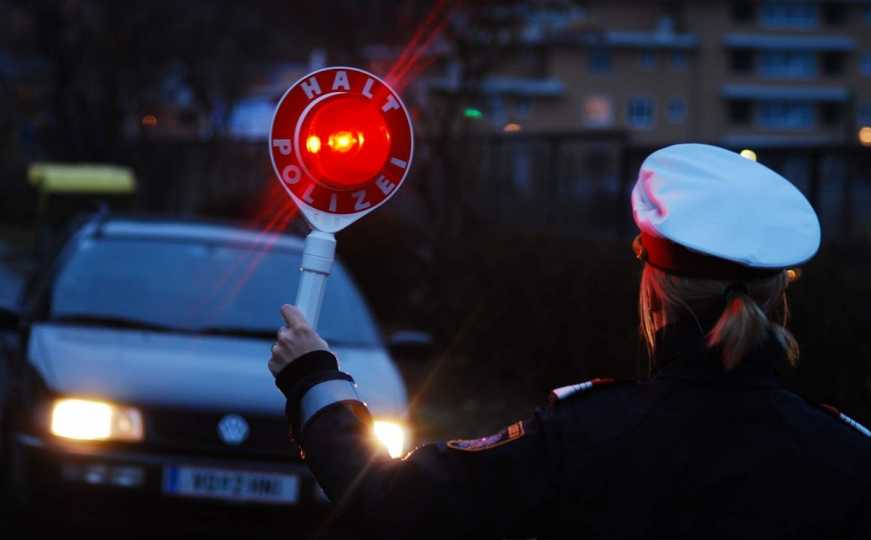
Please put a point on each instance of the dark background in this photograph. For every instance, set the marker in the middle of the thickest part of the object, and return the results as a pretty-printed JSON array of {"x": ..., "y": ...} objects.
[{"x": 523, "y": 290}]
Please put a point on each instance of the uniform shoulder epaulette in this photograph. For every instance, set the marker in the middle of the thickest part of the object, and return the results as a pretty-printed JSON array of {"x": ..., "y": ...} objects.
[
  {"x": 564, "y": 392},
  {"x": 846, "y": 419}
]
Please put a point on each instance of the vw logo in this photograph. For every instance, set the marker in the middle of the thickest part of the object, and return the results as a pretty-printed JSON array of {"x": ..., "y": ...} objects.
[{"x": 233, "y": 429}]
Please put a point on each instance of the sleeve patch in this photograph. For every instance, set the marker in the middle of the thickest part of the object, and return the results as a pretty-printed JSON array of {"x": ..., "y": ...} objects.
[{"x": 511, "y": 433}]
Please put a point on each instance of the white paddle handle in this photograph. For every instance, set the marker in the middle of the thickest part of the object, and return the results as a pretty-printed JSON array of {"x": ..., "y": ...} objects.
[{"x": 318, "y": 255}]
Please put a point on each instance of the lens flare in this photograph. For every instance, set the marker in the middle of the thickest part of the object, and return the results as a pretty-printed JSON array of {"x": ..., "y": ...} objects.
[
  {"x": 342, "y": 141},
  {"x": 313, "y": 144},
  {"x": 391, "y": 435}
]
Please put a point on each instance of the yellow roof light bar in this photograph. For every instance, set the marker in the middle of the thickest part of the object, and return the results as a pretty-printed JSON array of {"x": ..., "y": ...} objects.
[{"x": 81, "y": 178}]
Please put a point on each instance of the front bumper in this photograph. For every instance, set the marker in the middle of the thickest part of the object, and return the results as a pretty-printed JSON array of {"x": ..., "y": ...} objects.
[{"x": 101, "y": 484}]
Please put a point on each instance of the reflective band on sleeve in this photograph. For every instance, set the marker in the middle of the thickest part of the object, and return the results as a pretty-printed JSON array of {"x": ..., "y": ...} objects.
[
  {"x": 855, "y": 425},
  {"x": 559, "y": 394},
  {"x": 565, "y": 391},
  {"x": 323, "y": 395}
]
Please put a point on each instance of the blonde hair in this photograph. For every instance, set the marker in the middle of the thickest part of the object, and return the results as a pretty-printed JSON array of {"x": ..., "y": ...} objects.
[{"x": 745, "y": 315}]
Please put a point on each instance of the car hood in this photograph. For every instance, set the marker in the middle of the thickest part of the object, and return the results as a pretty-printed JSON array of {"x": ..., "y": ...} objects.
[{"x": 189, "y": 371}]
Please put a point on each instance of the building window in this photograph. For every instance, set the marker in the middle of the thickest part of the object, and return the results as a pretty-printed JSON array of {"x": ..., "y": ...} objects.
[
  {"x": 786, "y": 115},
  {"x": 865, "y": 64},
  {"x": 677, "y": 110},
  {"x": 742, "y": 61},
  {"x": 648, "y": 60},
  {"x": 522, "y": 167},
  {"x": 830, "y": 114},
  {"x": 790, "y": 14},
  {"x": 835, "y": 13},
  {"x": 740, "y": 112},
  {"x": 743, "y": 12},
  {"x": 639, "y": 113},
  {"x": 679, "y": 60},
  {"x": 863, "y": 114},
  {"x": 497, "y": 113},
  {"x": 600, "y": 61},
  {"x": 533, "y": 62},
  {"x": 521, "y": 108},
  {"x": 598, "y": 111},
  {"x": 833, "y": 63},
  {"x": 788, "y": 64}
]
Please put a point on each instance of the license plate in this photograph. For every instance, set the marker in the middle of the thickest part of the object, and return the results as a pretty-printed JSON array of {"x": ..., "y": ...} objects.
[{"x": 231, "y": 485}]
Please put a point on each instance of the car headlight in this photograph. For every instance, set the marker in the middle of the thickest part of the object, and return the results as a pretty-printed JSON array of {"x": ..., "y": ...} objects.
[
  {"x": 89, "y": 420},
  {"x": 392, "y": 436}
]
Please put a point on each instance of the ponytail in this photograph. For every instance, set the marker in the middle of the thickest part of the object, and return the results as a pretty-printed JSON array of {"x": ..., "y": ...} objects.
[
  {"x": 742, "y": 326},
  {"x": 744, "y": 323}
]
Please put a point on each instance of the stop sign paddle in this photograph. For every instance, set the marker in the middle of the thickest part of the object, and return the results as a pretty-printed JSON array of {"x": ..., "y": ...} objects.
[{"x": 341, "y": 144}]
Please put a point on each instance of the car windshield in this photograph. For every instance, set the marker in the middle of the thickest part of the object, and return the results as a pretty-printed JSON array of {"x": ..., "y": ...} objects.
[{"x": 199, "y": 287}]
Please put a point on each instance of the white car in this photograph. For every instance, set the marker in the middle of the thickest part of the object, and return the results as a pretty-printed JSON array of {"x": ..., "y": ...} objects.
[{"x": 144, "y": 367}]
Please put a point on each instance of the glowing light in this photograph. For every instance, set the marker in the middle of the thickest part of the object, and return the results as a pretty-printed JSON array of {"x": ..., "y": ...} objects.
[
  {"x": 95, "y": 420},
  {"x": 598, "y": 111},
  {"x": 149, "y": 120},
  {"x": 391, "y": 435},
  {"x": 342, "y": 141},
  {"x": 512, "y": 127},
  {"x": 749, "y": 154},
  {"x": 472, "y": 112},
  {"x": 865, "y": 136},
  {"x": 313, "y": 144},
  {"x": 79, "y": 419},
  {"x": 354, "y": 141}
]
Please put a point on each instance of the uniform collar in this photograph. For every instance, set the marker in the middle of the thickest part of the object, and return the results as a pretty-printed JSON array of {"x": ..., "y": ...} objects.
[{"x": 682, "y": 353}]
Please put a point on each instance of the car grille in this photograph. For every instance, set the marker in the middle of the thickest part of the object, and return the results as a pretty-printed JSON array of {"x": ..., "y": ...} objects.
[{"x": 197, "y": 432}]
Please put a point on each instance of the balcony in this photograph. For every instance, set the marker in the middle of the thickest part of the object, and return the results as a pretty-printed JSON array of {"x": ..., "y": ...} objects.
[{"x": 790, "y": 43}]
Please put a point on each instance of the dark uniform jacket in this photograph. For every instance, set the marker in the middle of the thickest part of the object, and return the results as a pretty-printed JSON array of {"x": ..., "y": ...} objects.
[{"x": 693, "y": 453}]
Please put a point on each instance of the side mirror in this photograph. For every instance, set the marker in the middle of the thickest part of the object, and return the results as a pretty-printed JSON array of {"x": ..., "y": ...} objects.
[{"x": 412, "y": 345}]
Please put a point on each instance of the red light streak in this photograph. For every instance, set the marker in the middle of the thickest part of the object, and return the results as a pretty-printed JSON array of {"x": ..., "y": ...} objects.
[
  {"x": 266, "y": 240},
  {"x": 408, "y": 62},
  {"x": 468, "y": 324},
  {"x": 277, "y": 212},
  {"x": 274, "y": 204}
]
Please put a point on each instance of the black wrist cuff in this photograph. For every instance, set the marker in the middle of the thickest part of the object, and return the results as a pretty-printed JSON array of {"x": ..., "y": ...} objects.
[{"x": 307, "y": 364}]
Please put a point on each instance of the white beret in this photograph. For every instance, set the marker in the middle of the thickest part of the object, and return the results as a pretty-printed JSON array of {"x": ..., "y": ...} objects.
[{"x": 715, "y": 202}]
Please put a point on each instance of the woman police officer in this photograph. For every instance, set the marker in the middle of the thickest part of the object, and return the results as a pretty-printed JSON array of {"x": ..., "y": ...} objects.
[{"x": 712, "y": 446}]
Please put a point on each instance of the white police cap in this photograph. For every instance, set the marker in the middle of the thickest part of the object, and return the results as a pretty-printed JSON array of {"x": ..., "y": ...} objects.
[{"x": 705, "y": 211}]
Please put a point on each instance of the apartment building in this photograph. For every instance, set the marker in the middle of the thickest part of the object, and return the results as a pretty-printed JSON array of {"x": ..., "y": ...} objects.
[{"x": 738, "y": 73}]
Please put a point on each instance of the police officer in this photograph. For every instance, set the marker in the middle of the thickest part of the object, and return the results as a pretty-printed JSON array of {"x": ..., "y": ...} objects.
[{"x": 711, "y": 446}]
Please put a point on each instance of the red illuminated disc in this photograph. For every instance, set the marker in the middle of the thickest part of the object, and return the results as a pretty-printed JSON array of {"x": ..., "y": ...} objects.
[{"x": 341, "y": 141}]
